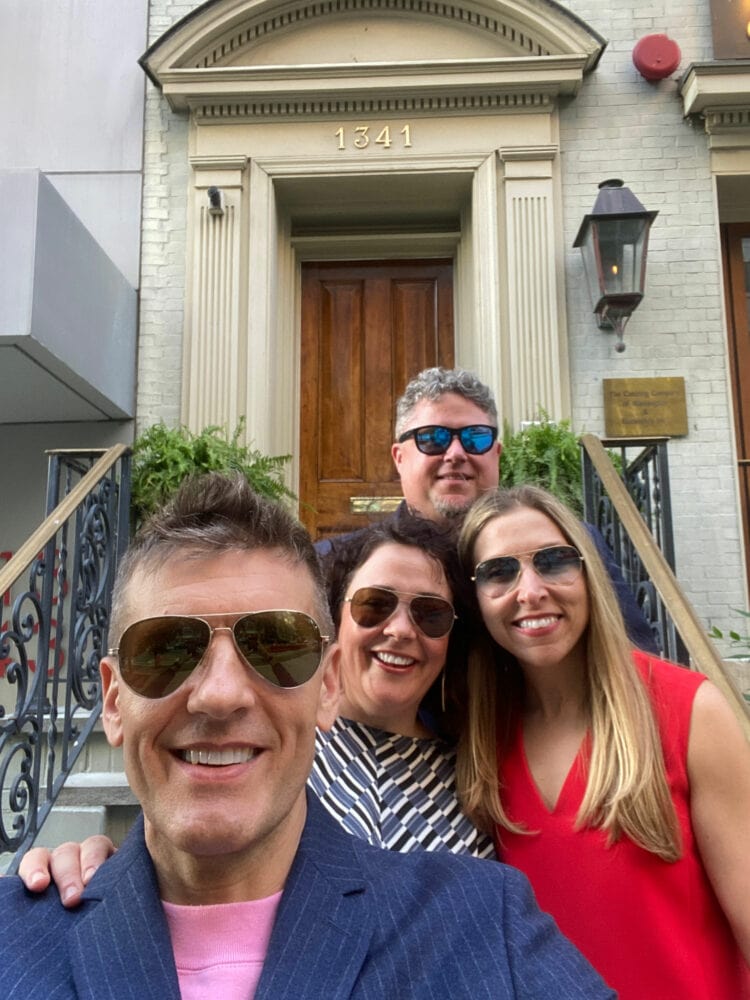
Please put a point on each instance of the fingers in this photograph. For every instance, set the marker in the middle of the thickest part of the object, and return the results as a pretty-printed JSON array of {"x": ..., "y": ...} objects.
[
  {"x": 65, "y": 870},
  {"x": 94, "y": 852},
  {"x": 70, "y": 867},
  {"x": 34, "y": 869},
  {"x": 73, "y": 865}
]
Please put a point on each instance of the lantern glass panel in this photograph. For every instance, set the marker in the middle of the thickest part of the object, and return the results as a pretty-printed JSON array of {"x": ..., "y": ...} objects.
[
  {"x": 621, "y": 243},
  {"x": 591, "y": 264}
]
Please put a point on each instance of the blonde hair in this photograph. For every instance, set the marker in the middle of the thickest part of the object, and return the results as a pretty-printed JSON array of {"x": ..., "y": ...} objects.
[{"x": 626, "y": 790}]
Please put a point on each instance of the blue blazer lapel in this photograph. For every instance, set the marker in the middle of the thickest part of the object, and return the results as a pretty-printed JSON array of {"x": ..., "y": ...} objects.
[
  {"x": 325, "y": 922},
  {"x": 121, "y": 949}
]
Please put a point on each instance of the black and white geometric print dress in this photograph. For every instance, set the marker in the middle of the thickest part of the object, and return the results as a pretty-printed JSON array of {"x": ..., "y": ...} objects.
[{"x": 393, "y": 791}]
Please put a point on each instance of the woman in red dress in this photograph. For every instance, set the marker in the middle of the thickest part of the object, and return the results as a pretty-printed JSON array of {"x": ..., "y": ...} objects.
[{"x": 618, "y": 782}]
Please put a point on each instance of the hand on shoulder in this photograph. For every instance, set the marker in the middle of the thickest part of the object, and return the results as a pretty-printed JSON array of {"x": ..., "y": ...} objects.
[{"x": 70, "y": 867}]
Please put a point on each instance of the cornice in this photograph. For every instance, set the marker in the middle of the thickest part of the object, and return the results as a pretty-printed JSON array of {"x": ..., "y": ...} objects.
[
  {"x": 719, "y": 88},
  {"x": 447, "y": 87}
]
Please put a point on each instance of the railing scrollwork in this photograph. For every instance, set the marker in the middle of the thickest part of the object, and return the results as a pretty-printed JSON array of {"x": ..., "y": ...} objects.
[{"x": 57, "y": 588}]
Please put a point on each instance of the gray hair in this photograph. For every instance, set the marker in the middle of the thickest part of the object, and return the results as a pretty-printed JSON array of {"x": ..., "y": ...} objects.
[
  {"x": 211, "y": 514},
  {"x": 432, "y": 383}
]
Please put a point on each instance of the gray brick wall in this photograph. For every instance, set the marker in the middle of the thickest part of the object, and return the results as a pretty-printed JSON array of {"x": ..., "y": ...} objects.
[{"x": 623, "y": 126}]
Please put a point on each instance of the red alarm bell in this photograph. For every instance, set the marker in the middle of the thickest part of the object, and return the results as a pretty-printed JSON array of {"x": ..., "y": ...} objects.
[{"x": 656, "y": 57}]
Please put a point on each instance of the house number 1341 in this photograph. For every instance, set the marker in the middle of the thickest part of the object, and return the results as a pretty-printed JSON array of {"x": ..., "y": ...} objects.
[{"x": 361, "y": 136}]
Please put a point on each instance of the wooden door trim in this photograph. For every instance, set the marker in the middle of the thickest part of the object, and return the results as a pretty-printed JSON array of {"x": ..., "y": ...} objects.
[{"x": 738, "y": 350}]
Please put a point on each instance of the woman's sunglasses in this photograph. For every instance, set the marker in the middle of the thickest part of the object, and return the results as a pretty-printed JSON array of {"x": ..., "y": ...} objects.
[
  {"x": 157, "y": 655},
  {"x": 436, "y": 440},
  {"x": 371, "y": 606},
  {"x": 555, "y": 564}
]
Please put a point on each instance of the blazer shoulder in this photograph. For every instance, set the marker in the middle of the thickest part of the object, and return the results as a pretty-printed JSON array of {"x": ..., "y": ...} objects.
[{"x": 16, "y": 900}]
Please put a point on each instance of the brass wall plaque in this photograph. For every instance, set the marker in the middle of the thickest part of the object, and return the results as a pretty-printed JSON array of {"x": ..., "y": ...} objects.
[
  {"x": 645, "y": 407},
  {"x": 373, "y": 505}
]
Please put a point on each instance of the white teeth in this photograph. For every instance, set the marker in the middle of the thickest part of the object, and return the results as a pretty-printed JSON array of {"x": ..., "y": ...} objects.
[
  {"x": 395, "y": 661},
  {"x": 218, "y": 758},
  {"x": 533, "y": 623}
]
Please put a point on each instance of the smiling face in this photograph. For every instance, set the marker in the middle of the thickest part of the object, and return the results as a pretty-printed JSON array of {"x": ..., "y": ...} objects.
[
  {"x": 387, "y": 670},
  {"x": 541, "y": 623},
  {"x": 442, "y": 487},
  {"x": 244, "y": 803}
]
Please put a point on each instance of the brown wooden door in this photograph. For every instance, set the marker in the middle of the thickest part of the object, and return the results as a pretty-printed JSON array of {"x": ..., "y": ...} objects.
[
  {"x": 736, "y": 248},
  {"x": 367, "y": 328}
]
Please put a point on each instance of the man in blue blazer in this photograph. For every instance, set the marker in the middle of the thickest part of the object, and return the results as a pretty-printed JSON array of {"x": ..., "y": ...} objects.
[{"x": 214, "y": 689}]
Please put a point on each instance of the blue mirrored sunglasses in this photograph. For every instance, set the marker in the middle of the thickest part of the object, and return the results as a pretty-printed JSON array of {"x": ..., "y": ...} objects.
[{"x": 434, "y": 439}]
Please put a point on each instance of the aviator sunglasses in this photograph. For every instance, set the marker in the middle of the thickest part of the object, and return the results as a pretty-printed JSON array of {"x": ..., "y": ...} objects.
[
  {"x": 371, "y": 606},
  {"x": 157, "y": 655},
  {"x": 554, "y": 564},
  {"x": 436, "y": 440}
]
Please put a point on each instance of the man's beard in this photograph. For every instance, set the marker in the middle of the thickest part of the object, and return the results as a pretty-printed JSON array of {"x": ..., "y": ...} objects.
[{"x": 452, "y": 511}]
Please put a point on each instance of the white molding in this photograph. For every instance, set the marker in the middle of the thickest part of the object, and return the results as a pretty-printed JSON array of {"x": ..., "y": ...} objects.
[
  {"x": 481, "y": 343},
  {"x": 372, "y": 246},
  {"x": 228, "y": 30},
  {"x": 212, "y": 344},
  {"x": 458, "y": 87},
  {"x": 720, "y": 86},
  {"x": 535, "y": 347},
  {"x": 230, "y": 163}
]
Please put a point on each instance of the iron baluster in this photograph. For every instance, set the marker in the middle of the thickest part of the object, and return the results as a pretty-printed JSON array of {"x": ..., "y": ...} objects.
[{"x": 50, "y": 695}]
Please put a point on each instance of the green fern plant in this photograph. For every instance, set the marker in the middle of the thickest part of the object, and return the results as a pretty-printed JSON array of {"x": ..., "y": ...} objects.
[
  {"x": 544, "y": 453},
  {"x": 163, "y": 456}
]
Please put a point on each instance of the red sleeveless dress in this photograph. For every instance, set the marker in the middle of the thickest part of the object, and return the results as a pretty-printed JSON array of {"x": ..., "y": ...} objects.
[{"x": 654, "y": 930}]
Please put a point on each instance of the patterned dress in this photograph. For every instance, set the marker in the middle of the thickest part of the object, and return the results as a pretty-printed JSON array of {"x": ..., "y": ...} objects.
[{"x": 393, "y": 791}]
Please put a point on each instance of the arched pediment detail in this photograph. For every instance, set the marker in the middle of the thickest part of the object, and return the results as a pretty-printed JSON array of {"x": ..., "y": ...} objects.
[{"x": 261, "y": 57}]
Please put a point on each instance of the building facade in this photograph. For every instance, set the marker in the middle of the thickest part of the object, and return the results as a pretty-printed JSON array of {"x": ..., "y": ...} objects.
[{"x": 337, "y": 193}]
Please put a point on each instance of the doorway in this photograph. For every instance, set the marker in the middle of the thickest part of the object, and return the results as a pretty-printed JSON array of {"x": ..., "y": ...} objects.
[{"x": 367, "y": 328}]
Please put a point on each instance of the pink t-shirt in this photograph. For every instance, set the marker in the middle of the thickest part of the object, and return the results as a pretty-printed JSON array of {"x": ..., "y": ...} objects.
[{"x": 219, "y": 950}]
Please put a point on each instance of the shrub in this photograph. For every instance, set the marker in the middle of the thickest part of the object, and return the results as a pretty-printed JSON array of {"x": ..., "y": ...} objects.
[
  {"x": 544, "y": 453},
  {"x": 163, "y": 456}
]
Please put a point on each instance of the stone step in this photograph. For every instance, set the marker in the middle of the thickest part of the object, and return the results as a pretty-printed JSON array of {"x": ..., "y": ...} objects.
[
  {"x": 78, "y": 822},
  {"x": 96, "y": 788},
  {"x": 90, "y": 802}
]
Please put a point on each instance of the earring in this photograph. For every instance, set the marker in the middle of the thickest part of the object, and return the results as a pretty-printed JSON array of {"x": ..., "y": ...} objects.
[{"x": 442, "y": 691}]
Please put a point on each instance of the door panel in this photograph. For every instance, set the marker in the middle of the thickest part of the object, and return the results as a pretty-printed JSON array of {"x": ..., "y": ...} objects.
[
  {"x": 367, "y": 328},
  {"x": 736, "y": 252}
]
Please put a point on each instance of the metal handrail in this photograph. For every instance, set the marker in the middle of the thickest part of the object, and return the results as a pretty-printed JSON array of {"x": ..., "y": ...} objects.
[
  {"x": 35, "y": 543},
  {"x": 702, "y": 652},
  {"x": 56, "y": 591}
]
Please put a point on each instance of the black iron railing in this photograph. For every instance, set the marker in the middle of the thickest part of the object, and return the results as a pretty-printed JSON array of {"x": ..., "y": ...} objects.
[
  {"x": 644, "y": 469},
  {"x": 56, "y": 593},
  {"x": 631, "y": 507}
]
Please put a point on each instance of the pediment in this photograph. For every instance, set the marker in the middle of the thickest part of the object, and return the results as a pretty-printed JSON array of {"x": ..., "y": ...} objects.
[{"x": 253, "y": 51}]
